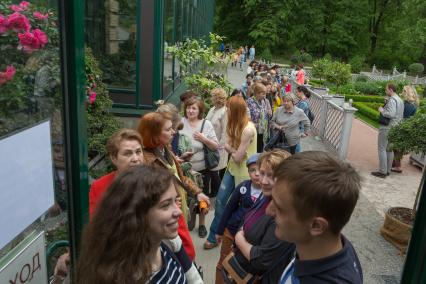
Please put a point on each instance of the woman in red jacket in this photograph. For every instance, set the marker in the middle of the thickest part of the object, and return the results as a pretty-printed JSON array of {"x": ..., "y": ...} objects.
[{"x": 125, "y": 150}]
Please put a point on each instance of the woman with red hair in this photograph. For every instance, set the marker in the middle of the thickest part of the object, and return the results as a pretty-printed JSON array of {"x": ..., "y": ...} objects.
[
  {"x": 241, "y": 144},
  {"x": 157, "y": 133}
]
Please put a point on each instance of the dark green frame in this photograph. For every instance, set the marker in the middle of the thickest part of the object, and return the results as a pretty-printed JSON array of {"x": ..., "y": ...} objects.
[
  {"x": 75, "y": 128},
  {"x": 415, "y": 263}
]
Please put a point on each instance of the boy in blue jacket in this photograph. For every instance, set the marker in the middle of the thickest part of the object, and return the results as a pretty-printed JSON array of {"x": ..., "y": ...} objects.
[{"x": 242, "y": 199}]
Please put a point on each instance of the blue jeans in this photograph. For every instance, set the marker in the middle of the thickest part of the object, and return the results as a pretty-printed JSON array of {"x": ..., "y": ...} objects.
[{"x": 225, "y": 190}]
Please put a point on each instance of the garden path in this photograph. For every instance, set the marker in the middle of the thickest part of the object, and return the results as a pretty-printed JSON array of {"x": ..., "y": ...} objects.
[{"x": 380, "y": 261}]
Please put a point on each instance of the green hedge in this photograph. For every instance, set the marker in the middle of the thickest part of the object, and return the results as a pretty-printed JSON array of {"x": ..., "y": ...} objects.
[
  {"x": 367, "y": 110},
  {"x": 366, "y": 99}
]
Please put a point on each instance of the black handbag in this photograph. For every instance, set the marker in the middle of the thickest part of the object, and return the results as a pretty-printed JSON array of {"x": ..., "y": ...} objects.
[
  {"x": 383, "y": 120},
  {"x": 278, "y": 140},
  {"x": 212, "y": 157}
]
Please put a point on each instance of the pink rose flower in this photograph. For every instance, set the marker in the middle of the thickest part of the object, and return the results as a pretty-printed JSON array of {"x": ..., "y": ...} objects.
[
  {"x": 4, "y": 23},
  {"x": 92, "y": 97},
  {"x": 40, "y": 16},
  {"x": 22, "y": 6},
  {"x": 10, "y": 72},
  {"x": 30, "y": 42},
  {"x": 16, "y": 8},
  {"x": 8, "y": 75},
  {"x": 18, "y": 22}
]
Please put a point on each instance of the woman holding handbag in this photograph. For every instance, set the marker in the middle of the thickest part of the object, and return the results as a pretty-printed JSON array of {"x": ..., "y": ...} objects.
[
  {"x": 241, "y": 144},
  {"x": 257, "y": 250},
  {"x": 203, "y": 138}
]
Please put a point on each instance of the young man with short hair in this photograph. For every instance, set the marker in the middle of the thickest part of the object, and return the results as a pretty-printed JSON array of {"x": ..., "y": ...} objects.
[{"x": 313, "y": 198}]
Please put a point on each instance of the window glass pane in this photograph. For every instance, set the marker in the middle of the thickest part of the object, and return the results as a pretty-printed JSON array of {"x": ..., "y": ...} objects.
[
  {"x": 111, "y": 34},
  {"x": 168, "y": 26},
  {"x": 30, "y": 93}
]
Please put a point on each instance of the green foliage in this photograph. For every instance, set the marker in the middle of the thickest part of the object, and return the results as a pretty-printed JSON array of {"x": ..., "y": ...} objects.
[
  {"x": 365, "y": 99},
  {"x": 357, "y": 62},
  {"x": 206, "y": 77},
  {"x": 101, "y": 123},
  {"x": 328, "y": 57},
  {"x": 362, "y": 78},
  {"x": 306, "y": 57},
  {"x": 367, "y": 109},
  {"x": 333, "y": 72},
  {"x": 385, "y": 33},
  {"x": 338, "y": 73},
  {"x": 409, "y": 135},
  {"x": 369, "y": 88},
  {"x": 345, "y": 89},
  {"x": 319, "y": 68},
  {"x": 295, "y": 58},
  {"x": 416, "y": 68},
  {"x": 266, "y": 55}
]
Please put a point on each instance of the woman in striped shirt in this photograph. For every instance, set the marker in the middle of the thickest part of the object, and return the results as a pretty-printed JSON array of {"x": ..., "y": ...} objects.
[{"x": 123, "y": 241}]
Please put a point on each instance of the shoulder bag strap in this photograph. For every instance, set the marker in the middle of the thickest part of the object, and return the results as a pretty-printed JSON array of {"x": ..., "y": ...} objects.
[{"x": 202, "y": 126}]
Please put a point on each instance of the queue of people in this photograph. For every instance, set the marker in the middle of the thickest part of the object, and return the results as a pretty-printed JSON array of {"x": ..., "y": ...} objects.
[{"x": 278, "y": 214}]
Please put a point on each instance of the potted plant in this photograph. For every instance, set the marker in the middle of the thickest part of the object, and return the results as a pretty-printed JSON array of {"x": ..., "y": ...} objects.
[{"x": 407, "y": 136}]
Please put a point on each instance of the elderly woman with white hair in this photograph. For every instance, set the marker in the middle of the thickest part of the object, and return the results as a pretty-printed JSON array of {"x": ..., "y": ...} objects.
[
  {"x": 218, "y": 117},
  {"x": 287, "y": 118}
]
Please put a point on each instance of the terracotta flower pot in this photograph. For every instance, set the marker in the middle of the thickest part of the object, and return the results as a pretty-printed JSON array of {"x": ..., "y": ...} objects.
[{"x": 396, "y": 231}]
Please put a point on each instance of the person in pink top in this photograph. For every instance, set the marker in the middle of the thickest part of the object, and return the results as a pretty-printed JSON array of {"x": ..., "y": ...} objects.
[{"x": 300, "y": 75}]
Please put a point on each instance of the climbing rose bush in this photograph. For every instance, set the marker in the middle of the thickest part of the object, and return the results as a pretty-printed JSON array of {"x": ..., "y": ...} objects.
[{"x": 22, "y": 32}]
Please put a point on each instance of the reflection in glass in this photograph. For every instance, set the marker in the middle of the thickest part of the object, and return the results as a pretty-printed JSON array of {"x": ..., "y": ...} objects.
[
  {"x": 30, "y": 92},
  {"x": 168, "y": 27},
  {"x": 111, "y": 34}
]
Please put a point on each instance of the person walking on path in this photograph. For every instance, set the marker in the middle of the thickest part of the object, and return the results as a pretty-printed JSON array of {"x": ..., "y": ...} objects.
[
  {"x": 411, "y": 102},
  {"x": 252, "y": 53},
  {"x": 394, "y": 110}
]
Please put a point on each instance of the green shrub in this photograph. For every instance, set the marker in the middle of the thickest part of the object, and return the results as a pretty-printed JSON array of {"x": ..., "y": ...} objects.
[
  {"x": 266, "y": 55},
  {"x": 347, "y": 89},
  {"x": 367, "y": 110},
  {"x": 357, "y": 62},
  {"x": 338, "y": 73},
  {"x": 370, "y": 88},
  {"x": 362, "y": 78},
  {"x": 328, "y": 57},
  {"x": 409, "y": 135},
  {"x": 319, "y": 68},
  {"x": 296, "y": 58},
  {"x": 306, "y": 58},
  {"x": 416, "y": 68},
  {"x": 365, "y": 99}
]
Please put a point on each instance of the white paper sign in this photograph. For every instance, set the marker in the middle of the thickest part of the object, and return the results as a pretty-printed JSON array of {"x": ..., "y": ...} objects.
[
  {"x": 26, "y": 180},
  {"x": 28, "y": 264}
]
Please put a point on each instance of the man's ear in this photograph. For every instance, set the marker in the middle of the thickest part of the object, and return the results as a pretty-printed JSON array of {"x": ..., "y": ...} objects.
[{"x": 319, "y": 226}]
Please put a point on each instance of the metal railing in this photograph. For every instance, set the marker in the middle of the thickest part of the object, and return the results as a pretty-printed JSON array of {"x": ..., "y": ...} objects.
[{"x": 333, "y": 121}]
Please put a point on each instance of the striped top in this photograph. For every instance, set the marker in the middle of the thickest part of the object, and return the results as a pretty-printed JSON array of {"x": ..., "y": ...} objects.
[{"x": 171, "y": 271}]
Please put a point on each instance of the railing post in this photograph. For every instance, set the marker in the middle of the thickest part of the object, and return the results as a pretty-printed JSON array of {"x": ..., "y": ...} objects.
[
  {"x": 323, "y": 117},
  {"x": 348, "y": 116}
]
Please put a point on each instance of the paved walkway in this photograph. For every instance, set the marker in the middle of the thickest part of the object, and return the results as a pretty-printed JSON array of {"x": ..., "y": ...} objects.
[{"x": 380, "y": 261}]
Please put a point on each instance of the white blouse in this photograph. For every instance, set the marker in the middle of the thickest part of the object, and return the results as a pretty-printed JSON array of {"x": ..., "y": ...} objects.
[
  {"x": 219, "y": 118},
  {"x": 197, "y": 160}
]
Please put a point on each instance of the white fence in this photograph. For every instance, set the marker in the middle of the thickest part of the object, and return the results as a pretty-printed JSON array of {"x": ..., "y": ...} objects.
[
  {"x": 333, "y": 119},
  {"x": 378, "y": 75}
]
